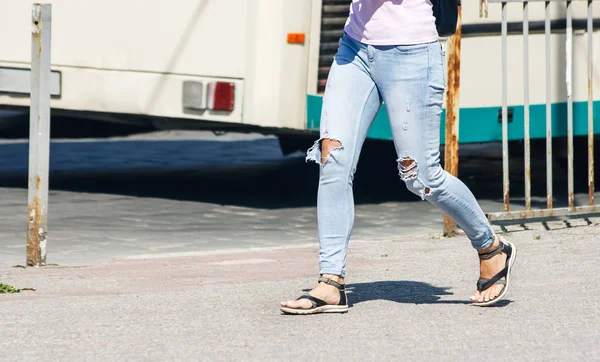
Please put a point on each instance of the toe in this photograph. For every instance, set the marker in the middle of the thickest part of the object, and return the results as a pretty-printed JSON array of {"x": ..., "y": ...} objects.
[
  {"x": 290, "y": 304},
  {"x": 497, "y": 291},
  {"x": 297, "y": 304}
]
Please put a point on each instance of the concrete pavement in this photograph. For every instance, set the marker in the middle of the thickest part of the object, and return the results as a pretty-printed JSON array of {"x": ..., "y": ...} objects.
[
  {"x": 408, "y": 295},
  {"x": 87, "y": 228}
]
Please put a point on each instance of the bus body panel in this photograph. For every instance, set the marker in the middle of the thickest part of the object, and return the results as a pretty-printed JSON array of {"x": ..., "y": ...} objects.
[
  {"x": 133, "y": 56},
  {"x": 277, "y": 71}
]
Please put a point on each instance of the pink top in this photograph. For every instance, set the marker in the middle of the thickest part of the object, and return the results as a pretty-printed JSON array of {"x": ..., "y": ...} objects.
[{"x": 391, "y": 22}]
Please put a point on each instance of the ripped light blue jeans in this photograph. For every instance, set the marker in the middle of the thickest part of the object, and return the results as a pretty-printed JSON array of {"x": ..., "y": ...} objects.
[{"x": 410, "y": 81}]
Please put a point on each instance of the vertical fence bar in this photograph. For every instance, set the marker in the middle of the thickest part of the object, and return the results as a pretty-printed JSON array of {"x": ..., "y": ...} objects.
[
  {"x": 526, "y": 104},
  {"x": 505, "y": 108},
  {"x": 569, "y": 78},
  {"x": 39, "y": 135},
  {"x": 549, "y": 190},
  {"x": 452, "y": 112},
  {"x": 590, "y": 31}
]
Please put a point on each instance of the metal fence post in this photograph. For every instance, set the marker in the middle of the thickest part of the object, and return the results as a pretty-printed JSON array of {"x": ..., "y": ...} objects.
[
  {"x": 569, "y": 55},
  {"x": 547, "y": 32},
  {"x": 505, "y": 168},
  {"x": 39, "y": 135},
  {"x": 590, "y": 31},
  {"x": 452, "y": 110},
  {"x": 526, "y": 133}
]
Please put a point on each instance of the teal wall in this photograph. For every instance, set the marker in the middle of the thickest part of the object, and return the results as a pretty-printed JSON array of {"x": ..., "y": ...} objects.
[{"x": 481, "y": 124}]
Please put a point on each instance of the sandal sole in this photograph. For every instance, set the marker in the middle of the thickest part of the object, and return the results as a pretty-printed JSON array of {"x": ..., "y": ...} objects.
[
  {"x": 511, "y": 263},
  {"x": 323, "y": 309}
]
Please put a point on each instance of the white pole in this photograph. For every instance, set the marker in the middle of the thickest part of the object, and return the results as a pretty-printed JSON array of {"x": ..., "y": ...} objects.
[{"x": 39, "y": 135}]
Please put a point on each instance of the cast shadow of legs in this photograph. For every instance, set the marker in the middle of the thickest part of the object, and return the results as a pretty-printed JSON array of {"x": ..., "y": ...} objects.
[{"x": 404, "y": 291}]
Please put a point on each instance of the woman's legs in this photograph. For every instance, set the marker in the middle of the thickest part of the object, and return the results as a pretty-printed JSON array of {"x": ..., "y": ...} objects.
[
  {"x": 411, "y": 81},
  {"x": 350, "y": 104}
]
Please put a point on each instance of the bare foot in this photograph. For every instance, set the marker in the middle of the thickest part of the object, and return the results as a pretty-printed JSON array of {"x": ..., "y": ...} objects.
[
  {"x": 487, "y": 269},
  {"x": 323, "y": 291}
]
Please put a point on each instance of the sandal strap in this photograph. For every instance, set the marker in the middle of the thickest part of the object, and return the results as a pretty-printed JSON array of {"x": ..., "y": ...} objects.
[
  {"x": 483, "y": 284},
  {"x": 331, "y": 282},
  {"x": 316, "y": 302},
  {"x": 502, "y": 248},
  {"x": 493, "y": 253}
]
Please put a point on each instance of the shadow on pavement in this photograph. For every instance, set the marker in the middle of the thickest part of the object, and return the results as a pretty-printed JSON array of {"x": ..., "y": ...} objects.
[{"x": 403, "y": 291}]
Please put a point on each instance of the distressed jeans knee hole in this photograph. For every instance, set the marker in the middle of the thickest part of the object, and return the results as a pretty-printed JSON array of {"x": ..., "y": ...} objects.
[
  {"x": 409, "y": 173},
  {"x": 322, "y": 149}
]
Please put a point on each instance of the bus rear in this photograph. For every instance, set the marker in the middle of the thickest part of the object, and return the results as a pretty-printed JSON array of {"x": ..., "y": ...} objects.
[{"x": 183, "y": 64}]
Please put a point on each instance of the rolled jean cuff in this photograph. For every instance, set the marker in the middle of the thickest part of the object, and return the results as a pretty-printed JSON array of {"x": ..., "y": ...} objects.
[
  {"x": 488, "y": 239},
  {"x": 341, "y": 273}
]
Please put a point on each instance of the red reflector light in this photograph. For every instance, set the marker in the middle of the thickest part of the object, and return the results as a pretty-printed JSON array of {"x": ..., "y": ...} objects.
[{"x": 221, "y": 96}]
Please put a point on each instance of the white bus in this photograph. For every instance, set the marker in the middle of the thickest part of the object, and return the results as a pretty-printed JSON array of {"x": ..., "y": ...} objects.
[{"x": 261, "y": 65}]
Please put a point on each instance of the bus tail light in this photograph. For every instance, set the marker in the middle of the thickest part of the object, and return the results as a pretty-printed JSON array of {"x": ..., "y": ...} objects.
[{"x": 221, "y": 96}]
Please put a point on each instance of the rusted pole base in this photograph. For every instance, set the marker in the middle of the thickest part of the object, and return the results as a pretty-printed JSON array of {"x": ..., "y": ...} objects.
[{"x": 452, "y": 109}]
